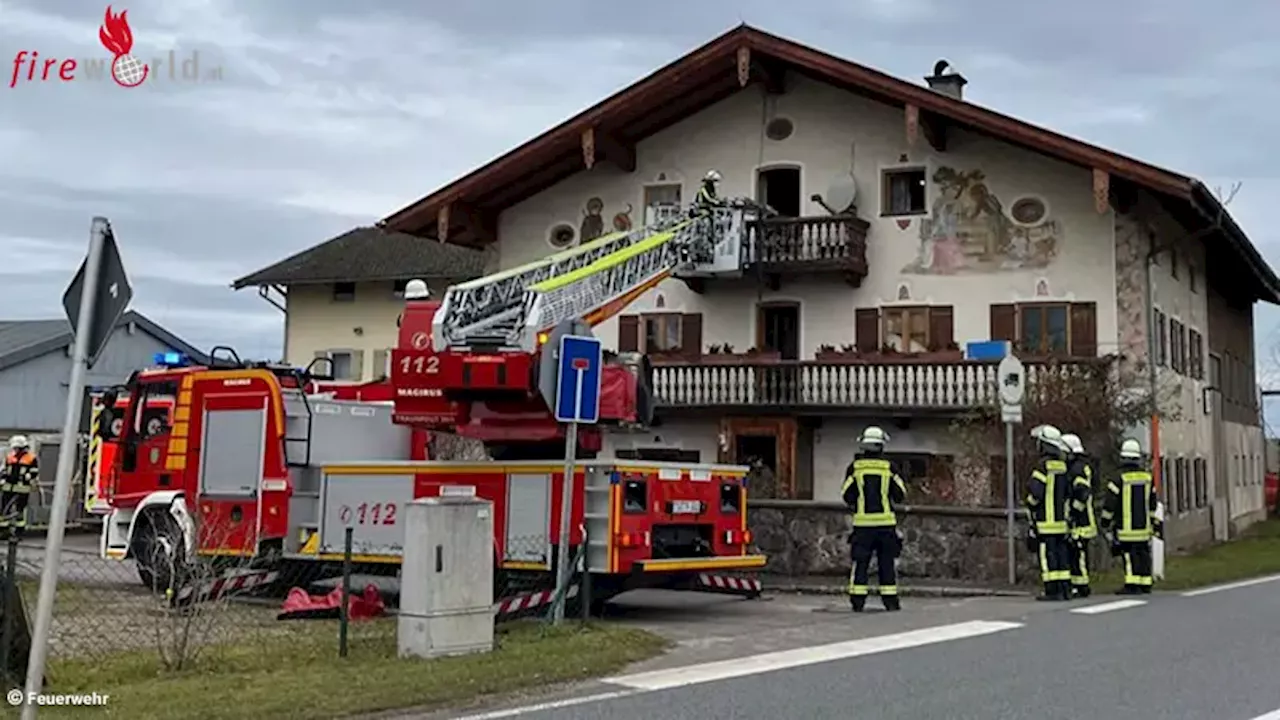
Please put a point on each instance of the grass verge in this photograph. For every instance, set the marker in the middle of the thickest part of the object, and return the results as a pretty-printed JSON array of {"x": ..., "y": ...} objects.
[
  {"x": 303, "y": 678},
  {"x": 1255, "y": 553}
]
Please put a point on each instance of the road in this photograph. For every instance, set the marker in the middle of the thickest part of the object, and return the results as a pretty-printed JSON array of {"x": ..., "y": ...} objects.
[{"x": 1174, "y": 656}]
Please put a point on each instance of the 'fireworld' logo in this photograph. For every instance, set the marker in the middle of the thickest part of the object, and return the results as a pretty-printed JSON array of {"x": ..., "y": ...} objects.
[{"x": 126, "y": 70}]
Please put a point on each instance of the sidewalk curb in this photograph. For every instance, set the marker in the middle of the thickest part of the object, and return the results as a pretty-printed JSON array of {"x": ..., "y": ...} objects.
[{"x": 906, "y": 590}]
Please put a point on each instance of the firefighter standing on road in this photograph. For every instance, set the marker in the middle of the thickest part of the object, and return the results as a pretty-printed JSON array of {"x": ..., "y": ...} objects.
[
  {"x": 21, "y": 471},
  {"x": 871, "y": 490},
  {"x": 1129, "y": 515},
  {"x": 1048, "y": 500},
  {"x": 1084, "y": 524}
]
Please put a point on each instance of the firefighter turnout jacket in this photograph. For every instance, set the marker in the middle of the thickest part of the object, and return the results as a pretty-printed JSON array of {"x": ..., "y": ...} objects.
[
  {"x": 1130, "y": 506},
  {"x": 871, "y": 488},
  {"x": 1084, "y": 524},
  {"x": 1049, "y": 497},
  {"x": 17, "y": 480}
]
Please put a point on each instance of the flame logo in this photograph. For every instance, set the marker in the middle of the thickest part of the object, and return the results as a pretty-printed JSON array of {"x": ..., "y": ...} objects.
[
  {"x": 117, "y": 38},
  {"x": 115, "y": 34}
]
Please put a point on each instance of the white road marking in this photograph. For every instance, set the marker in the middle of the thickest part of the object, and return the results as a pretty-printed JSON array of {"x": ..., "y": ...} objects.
[
  {"x": 1109, "y": 607},
  {"x": 769, "y": 662},
  {"x": 554, "y": 705},
  {"x": 1273, "y": 715},
  {"x": 1232, "y": 586}
]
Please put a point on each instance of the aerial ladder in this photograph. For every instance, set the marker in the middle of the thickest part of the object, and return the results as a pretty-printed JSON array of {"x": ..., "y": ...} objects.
[{"x": 515, "y": 310}]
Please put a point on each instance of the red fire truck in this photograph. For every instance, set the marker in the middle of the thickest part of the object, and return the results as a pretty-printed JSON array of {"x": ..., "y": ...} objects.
[{"x": 257, "y": 461}]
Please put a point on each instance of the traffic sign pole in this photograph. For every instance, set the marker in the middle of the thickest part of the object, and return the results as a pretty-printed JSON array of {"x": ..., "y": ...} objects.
[
  {"x": 578, "y": 371},
  {"x": 1011, "y": 381},
  {"x": 80, "y": 353},
  {"x": 1011, "y": 509}
]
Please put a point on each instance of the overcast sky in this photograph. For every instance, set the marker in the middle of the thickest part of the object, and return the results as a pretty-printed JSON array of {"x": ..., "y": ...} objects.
[{"x": 331, "y": 114}]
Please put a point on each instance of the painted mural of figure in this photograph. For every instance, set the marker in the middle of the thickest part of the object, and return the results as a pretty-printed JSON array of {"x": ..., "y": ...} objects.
[
  {"x": 592, "y": 221},
  {"x": 622, "y": 221}
]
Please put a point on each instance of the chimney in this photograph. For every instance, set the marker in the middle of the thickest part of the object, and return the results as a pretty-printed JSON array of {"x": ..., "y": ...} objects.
[{"x": 946, "y": 81}]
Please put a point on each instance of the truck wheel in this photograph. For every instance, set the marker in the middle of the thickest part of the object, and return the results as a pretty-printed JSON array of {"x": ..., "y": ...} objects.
[{"x": 159, "y": 551}]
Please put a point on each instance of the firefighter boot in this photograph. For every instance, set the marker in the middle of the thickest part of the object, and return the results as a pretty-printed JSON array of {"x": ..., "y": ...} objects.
[
  {"x": 858, "y": 602},
  {"x": 1050, "y": 589},
  {"x": 1064, "y": 590},
  {"x": 1083, "y": 591},
  {"x": 1128, "y": 590},
  {"x": 891, "y": 603}
]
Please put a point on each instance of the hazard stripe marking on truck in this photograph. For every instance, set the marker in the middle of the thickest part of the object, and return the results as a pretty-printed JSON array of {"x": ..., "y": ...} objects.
[
  {"x": 728, "y": 582},
  {"x": 239, "y": 582},
  {"x": 528, "y": 601}
]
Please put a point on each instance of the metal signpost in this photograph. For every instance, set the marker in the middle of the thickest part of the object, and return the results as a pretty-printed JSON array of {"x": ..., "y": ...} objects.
[
  {"x": 577, "y": 401},
  {"x": 1011, "y": 385},
  {"x": 97, "y": 297}
]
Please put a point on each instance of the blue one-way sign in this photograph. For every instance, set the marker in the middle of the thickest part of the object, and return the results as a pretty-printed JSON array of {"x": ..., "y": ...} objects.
[{"x": 578, "y": 381}]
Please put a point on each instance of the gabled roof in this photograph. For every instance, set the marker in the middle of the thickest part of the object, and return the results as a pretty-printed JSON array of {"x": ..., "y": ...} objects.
[
  {"x": 370, "y": 254},
  {"x": 23, "y": 340},
  {"x": 709, "y": 74}
]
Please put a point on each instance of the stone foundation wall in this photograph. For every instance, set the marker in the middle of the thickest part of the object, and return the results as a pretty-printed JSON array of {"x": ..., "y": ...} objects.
[{"x": 942, "y": 543}]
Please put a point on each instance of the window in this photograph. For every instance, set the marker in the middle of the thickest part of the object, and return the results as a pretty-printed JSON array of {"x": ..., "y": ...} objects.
[
  {"x": 664, "y": 194},
  {"x": 1173, "y": 263},
  {"x": 344, "y": 292},
  {"x": 662, "y": 333},
  {"x": 1177, "y": 347},
  {"x": 906, "y": 329},
  {"x": 1162, "y": 339},
  {"x": 1195, "y": 354},
  {"x": 344, "y": 364},
  {"x": 902, "y": 191},
  {"x": 1048, "y": 328},
  {"x": 918, "y": 328},
  {"x": 1191, "y": 277},
  {"x": 1043, "y": 329}
]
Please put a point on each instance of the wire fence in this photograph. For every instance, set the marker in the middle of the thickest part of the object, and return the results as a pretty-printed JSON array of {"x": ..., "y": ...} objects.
[{"x": 216, "y": 611}]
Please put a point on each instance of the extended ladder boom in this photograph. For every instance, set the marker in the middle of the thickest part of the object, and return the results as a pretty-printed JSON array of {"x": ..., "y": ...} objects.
[{"x": 508, "y": 310}]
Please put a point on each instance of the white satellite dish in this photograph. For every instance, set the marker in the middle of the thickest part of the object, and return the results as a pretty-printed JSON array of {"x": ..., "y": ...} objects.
[{"x": 842, "y": 193}]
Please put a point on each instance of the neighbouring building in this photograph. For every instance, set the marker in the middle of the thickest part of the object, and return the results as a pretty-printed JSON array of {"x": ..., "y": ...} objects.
[
  {"x": 35, "y": 362},
  {"x": 909, "y": 223},
  {"x": 341, "y": 299}
]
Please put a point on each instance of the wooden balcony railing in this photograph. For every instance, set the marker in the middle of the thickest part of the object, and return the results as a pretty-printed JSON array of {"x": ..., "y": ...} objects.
[
  {"x": 807, "y": 244},
  {"x": 816, "y": 385}
]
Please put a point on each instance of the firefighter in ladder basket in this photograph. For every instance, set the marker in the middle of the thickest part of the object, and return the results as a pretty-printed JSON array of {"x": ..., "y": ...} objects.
[
  {"x": 872, "y": 488},
  {"x": 19, "y": 477}
]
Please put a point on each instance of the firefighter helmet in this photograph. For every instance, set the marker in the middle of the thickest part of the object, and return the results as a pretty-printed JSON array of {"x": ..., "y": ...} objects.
[
  {"x": 1072, "y": 441},
  {"x": 1049, "y": 438},
  {"x": 19, "y": 442},
  {"x": 712, "y": 176},
  {"x": 1130, "y": 449},
  {"x": 874, "y": 438},
  {"x": 416, "y": 290}
]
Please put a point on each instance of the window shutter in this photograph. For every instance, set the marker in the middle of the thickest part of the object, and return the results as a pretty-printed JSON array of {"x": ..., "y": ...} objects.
[
  {"x": 867, "y": 329},
  {"x": 380, "y": 364},
  {"x": 357, "y": 365},
  {"x": 1004, "y": 322},
  {"x": 628, "y": 333},
  {"x": 1084, "y": 329},
  {"x": 691, "y": 335},
  {"x": 941, "y": 326}
]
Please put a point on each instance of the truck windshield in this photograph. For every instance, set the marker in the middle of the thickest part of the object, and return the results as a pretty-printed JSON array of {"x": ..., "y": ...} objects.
[{"x": 151, "y": 411}]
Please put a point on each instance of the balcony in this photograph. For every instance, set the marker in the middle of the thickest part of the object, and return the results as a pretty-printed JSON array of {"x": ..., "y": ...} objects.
[
  {"x": 825, "y": 387},
  {"x": 783, "y": 246}
]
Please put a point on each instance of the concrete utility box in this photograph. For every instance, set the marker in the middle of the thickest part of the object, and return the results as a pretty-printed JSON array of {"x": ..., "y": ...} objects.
[{"x": 446, "y": 579}]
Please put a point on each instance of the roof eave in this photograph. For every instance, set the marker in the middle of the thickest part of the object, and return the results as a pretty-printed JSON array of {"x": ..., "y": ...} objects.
[{"x": 1207, "y": 204}]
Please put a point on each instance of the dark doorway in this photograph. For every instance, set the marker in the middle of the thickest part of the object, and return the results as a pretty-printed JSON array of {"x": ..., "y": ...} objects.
[
  {"x": 778, "y": 329},
  {"x": 763, "y": 448},
  {"x": 779, "y": 188}
]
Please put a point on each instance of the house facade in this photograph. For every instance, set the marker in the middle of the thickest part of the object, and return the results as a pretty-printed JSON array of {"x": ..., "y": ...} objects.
[{"x": 905, "y": 224}]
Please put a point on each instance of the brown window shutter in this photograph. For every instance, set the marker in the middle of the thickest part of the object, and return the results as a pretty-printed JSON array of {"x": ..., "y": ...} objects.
[
  {"x": 691, "y": 335},
  {"x": 1004, "y": 322},
  {"x": 941, "y": 326},
  {"x": 866, "y": 323},
  {"x": 628, "y": 333},
  {"x": 1084, "y": 329}
]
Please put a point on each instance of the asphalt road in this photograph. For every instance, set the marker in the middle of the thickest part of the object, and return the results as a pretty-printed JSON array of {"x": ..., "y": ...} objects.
[{"x": 1165, "y": 656}]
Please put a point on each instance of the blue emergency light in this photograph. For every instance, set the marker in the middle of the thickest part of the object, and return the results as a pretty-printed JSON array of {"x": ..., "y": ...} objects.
[{"x": 170, "y": 359}]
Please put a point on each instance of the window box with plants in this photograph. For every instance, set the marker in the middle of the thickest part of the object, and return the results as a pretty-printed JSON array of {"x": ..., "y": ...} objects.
[
  {"x": 889, "y": 355},
  {"x": 844, "y": 355},
  {"x": 726, "y": 355}
]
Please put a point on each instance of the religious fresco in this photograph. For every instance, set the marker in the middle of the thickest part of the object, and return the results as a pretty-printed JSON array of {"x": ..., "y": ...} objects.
[
  {"x": 592, "y": 221},
  {"x": 971, "y": 231}
]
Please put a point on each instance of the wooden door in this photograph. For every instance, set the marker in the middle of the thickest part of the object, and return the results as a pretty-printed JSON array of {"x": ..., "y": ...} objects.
[{"x": 782, "y": 430}]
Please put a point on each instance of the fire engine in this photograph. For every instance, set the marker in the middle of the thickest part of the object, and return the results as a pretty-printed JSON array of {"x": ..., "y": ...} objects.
[{"x": 272, "y": 464}]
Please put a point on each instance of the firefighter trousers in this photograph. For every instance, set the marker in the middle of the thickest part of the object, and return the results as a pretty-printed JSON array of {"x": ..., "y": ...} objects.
[
  {"x": 1137, "y": 565},
  {"x": 1055, "y": 558},
  {"x": 13, "y": 511},
  {"x": 1080, "y": 564},
  {"x": 882, "y": 544}
]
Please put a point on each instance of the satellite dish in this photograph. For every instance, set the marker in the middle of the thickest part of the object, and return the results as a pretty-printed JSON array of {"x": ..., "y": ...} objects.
[{"x": 842, "y": 193}]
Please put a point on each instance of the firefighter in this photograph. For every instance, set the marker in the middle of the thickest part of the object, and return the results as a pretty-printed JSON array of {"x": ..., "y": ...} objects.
[
  {"x": 1048, "y": 500},
  {"x": 1084, "y": 525},
  {"x": 872, "y": 488},
  {"x": 1129, "y": 514},
  {"x": 21, "y": 471},
  {"x": 707, "y": 197}
]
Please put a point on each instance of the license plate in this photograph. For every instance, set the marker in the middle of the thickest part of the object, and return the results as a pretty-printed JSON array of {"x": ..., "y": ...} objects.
[{"x": 686, "y": 507}]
